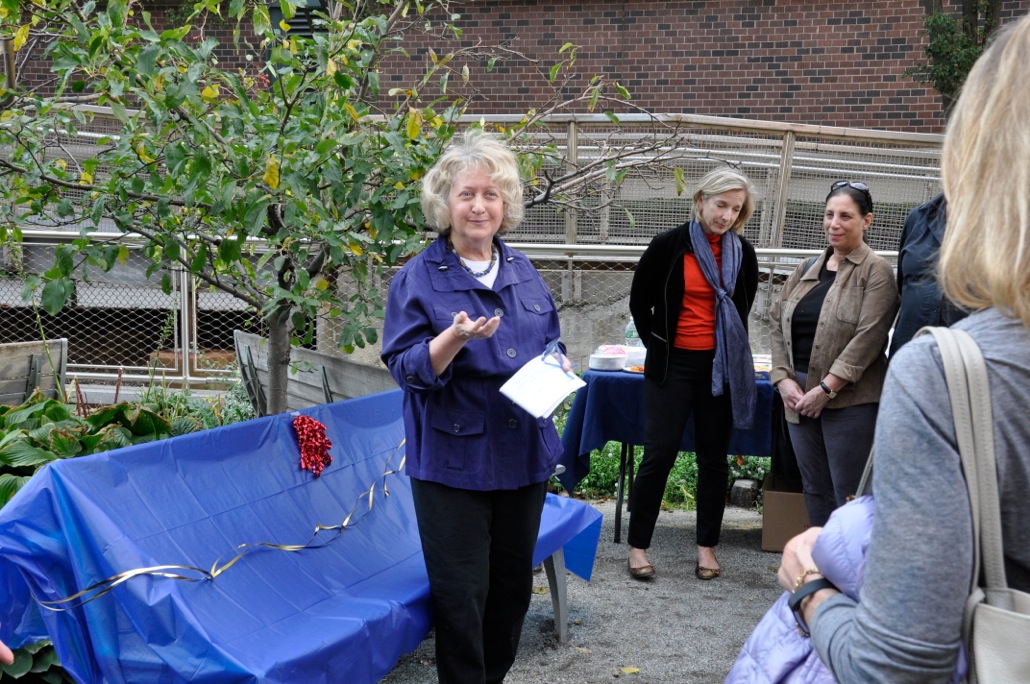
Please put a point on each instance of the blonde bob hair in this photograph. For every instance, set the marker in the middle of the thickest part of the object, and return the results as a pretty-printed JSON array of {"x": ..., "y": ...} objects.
[
  {"x": 473, "y": 150},
  {"x": 985, "y": 169},
  {"x": 723, "y": 180}
]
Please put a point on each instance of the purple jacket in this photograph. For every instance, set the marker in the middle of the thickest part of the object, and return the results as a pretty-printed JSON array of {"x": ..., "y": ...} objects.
[
  {"x": 461, "y": 431},
  {"x": 776, "y": 651}
]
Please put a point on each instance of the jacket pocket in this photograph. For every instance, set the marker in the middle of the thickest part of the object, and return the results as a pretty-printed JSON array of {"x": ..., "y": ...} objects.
[
  {"x": 849, "y": 304},
  {"x": 537, "y": 305},
  {"x": 465, "y": 437}
]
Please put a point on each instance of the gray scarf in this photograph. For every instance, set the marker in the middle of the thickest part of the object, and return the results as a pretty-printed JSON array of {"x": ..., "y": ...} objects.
[{"x": 734, "y": 365}]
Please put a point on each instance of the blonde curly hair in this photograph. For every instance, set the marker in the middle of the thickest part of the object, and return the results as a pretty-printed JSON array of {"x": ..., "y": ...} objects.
[{"x": 474, "y": 149}]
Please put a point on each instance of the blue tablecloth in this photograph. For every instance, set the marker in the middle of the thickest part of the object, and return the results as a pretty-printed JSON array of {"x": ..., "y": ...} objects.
[
  {"x": 344, "y": 612},
  {"x": 611, "y": 409}
]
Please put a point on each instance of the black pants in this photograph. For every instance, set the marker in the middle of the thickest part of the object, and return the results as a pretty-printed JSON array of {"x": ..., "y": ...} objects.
[
  {"x": 478, "y": 548},
  {"x": 687, "y": 390}
]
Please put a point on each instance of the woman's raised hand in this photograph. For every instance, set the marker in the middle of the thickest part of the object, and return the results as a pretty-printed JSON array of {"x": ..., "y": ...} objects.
[{"x": 481, "y": 328}]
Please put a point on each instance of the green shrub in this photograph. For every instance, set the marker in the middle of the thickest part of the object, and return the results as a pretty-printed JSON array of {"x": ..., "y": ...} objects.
[{"x": 680, "y": 488}]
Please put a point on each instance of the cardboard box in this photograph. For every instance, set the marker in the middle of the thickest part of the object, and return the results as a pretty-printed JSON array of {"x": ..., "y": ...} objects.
[{"x": 783, "y": 516}]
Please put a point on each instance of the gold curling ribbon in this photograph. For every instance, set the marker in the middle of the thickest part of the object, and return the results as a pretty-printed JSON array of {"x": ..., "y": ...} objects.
[{"x": 195, "y": 574}]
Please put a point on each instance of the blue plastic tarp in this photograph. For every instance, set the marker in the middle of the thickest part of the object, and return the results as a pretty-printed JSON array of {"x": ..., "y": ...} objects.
[{"x": 344, "y": 612}]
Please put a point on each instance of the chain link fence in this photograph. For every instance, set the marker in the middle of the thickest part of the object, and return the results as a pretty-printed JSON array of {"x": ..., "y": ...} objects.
[{"x": 123, "y": 323}]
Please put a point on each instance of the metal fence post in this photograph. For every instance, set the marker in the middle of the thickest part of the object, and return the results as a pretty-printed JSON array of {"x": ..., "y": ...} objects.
[
  {"x": 780, "y": 214},
  {"x": 572, "y": 154}
]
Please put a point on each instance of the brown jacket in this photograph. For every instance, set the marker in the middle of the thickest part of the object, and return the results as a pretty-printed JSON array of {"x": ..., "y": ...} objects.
[{"x": 851, "y": 336}]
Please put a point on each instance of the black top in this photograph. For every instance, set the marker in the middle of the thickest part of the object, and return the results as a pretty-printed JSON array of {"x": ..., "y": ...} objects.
[
  {"x": 922, "y": 302},
  {"x": 806, "y": 319}
]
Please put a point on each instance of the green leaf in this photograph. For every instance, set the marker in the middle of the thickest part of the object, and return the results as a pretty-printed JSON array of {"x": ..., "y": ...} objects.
[
  {"x": 21, "y": 666},
  {"x": 230, "y": 250},
  {"x": 10, "y": 484},
  {"x": 184, "y": 425},
  {"x": 146, "y": 60},
  {"x": 64, "y": 261},
  {"x": 25, "y": 455},
  {"x": 25, "y": 416},
  {"x": 65, "y": 444},
  {"x": 199, "y": 259},
  {"x": 117, "y": 10},
  {"x": 262, "y": 20},
  {"x": 56, "y": 294}
]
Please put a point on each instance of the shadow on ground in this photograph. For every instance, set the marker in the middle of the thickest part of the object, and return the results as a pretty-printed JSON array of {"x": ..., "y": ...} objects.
[{"x": 675, "y": 629}]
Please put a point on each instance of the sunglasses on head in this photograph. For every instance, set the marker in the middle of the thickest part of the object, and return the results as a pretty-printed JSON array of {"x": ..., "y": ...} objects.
[{"x": 862, "y": 187}]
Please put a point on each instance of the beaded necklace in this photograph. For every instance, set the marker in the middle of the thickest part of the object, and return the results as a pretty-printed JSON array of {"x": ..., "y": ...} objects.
[{"x": 476, "y": 274}]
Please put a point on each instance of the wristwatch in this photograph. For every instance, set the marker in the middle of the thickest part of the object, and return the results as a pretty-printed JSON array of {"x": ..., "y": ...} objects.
[{"x": 826, "y": 388}]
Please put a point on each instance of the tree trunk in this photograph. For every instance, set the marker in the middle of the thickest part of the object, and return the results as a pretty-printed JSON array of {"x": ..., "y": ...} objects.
[
  {"x": 971, "y": 19},
  {"x": 994, "y": 8},
  {"x": 279, "y": 328}
]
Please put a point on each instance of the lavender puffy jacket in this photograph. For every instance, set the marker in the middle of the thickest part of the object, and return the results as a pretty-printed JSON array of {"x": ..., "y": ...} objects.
[{"x": 776, "y": 652}]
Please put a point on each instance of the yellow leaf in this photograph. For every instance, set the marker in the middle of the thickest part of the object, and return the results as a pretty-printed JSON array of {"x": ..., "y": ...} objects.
[
  {"x": 353, "y": 44},
  {"x": 322, "y": 284},
  {"x": 398, "y": 186},
  {"x": 20, "y": 36},
  {"x": 61, "y": 163},
  {"x": 355, "y": 248},
  {"x": 629, "y": 670},
  {"x": 284, "y": 26},
  {"x": 353, "y": 113},
  {"x": 86, "y": 178},
  {"x": 123, "y": 254},
  {"x": 330, "y": 67},
  {"x": 271, "y": 176},
  {"x": 141, "y": 152},
  {"x": 414, "y": 123},
  {"x": 539, "y": 591},
  {"x": 209, "y": 93}
]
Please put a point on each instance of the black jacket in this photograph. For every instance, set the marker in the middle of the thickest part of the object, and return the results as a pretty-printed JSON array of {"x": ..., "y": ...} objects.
[
  {"x": 656, "y": 295},
  {"x": 922, "y": 302}
]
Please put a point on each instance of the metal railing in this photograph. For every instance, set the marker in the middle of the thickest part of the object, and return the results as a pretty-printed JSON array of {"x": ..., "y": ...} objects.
[{"x": 122, "y": 323}]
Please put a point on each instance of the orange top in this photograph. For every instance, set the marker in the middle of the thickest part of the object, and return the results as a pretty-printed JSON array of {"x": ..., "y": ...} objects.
[{"x": 695, "y": 329}]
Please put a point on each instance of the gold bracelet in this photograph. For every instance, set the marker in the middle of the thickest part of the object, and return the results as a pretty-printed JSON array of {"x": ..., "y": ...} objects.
[{"x": 803, "y": 576}]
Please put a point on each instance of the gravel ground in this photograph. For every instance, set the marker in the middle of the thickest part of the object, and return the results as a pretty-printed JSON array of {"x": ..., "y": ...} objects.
[{"x": 674, "y": 629}]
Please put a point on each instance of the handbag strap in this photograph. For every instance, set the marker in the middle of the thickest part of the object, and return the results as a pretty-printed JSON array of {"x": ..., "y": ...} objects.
[
  {"x": 966, "y": 375},
  {"x": 867, "y": 475}
]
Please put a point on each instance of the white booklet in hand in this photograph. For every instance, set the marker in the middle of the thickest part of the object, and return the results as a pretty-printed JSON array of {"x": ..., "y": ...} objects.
[{"x": 541, "y": 385}]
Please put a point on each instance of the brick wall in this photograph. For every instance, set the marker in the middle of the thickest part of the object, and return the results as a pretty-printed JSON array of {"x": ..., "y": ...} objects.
[{"x": 774, "y": 60}]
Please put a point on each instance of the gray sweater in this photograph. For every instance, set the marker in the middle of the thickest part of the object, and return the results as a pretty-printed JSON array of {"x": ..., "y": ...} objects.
[{"x": 907, "y": 626}]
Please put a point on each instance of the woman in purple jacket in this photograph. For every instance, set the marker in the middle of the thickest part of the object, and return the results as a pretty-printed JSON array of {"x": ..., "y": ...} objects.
[{"x": 461, "y": 318}]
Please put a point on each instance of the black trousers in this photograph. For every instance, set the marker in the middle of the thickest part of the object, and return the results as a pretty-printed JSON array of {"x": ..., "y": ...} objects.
[
  {"x": 478, "y": 548},
  {"x": 687, "y": 391}
]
